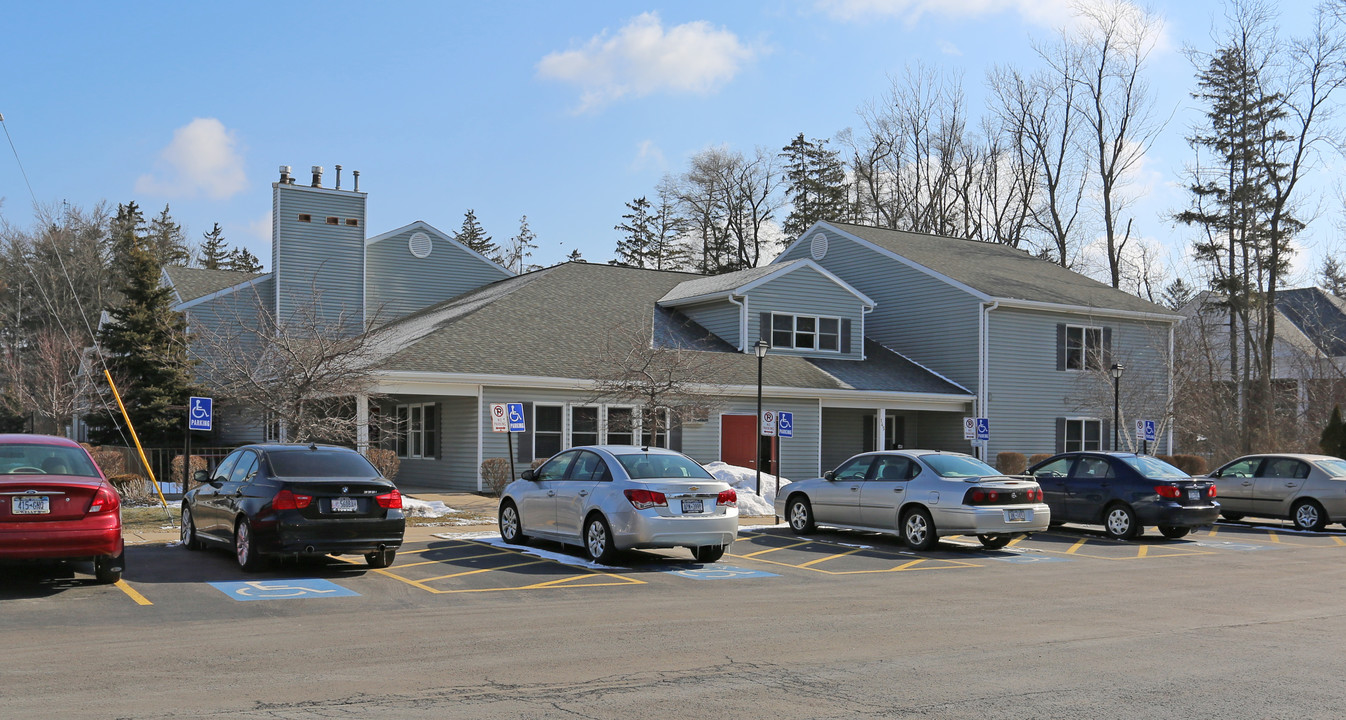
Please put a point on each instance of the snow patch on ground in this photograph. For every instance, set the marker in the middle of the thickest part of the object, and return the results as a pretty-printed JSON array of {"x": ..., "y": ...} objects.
[
  {"x": 744, "y": 480},
  {"x": 411, "y": 507}
]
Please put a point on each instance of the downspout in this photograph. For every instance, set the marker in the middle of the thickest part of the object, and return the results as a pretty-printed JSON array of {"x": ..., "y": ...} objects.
[
  {"x": 984, "y": 363},
  {"x": 864, "y": 310},
  {"x": 1171, "y": 416},
  {"x": 481, "y": 389},
  {"x": 742, "y": 323}
]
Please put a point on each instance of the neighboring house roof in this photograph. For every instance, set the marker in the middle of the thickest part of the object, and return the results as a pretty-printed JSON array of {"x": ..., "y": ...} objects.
[
  {"x": 1216, "y": 317},
  {"x": 999, "y": 272},
  {"x": 192, "y": 283},
  {"x": 552, "y": 323},
  {"x": 738, "y": 283},
  {"x": 1318, "y": 314}
]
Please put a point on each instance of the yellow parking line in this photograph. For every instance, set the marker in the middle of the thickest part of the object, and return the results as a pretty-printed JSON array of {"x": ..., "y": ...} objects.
[
  {"x": 456, "y": 559},
  {"x": 1272, "y": 536},
  {"x": 553, "y": 583},
  {"x": 1213, "y": 530},
  {"x": 829, "y": 557},
  {"x": 774, "y": 549},
  {"x": 1338, "y": 540},
  {"x": 131, "y": 592},
  {"x": 1015, "y": 541},
  {"x": 1077, "y": 546},
  {"x": 465, "y": 573},
  {"x": 1143, "y": 551}
]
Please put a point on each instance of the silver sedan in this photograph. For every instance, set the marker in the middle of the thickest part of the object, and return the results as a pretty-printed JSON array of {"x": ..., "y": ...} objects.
[
  {"x": 608, "y": 498},
  {"x": 918, "y": 494},
  {"x": 1308, "y": 489}
]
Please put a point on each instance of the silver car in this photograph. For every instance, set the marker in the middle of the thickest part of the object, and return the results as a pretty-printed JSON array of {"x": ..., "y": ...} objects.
[
  {"x": 608, "y": 498},
  {"x": 1308, "y": 489},
  {"x": 919, "y": 495}
]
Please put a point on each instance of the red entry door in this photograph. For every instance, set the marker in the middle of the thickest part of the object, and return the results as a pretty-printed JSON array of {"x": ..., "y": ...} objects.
[{"x": 737, "y": 433}]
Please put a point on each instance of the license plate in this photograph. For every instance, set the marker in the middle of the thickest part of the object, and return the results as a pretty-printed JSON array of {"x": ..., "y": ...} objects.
[
  {"x": 1016, "y": 516},
  {"x": 344, "y": 504},
  {"x": 692, "y": 506},
  {"x": 39, "y": 505},
  {"x": 1193, "y": 494}
]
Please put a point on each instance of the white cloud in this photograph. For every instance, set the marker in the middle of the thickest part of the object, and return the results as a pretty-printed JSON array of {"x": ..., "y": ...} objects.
[
  {"x": 648, "y": 155},
  {"x": 201, "y": 159},
  {"x": 644, "y": 57},
  {"x": 261, "y": 227},
  {"x": 948, "y": 48}
]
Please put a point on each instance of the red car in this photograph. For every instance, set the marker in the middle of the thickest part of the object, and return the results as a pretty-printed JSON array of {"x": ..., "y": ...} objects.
[{"x": 55, "y": 504}]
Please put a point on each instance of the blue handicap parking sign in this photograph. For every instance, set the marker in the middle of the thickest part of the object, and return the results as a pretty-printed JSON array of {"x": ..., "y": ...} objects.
[
  {"x": 283, "y": 589},
  {"x": 721, "y": 572},
  {"x": 983, "y": 429},
  {"x": 785, "y": 424},
  {"x": 516, "y": 420},
  {"x": 200, "y": 413}
]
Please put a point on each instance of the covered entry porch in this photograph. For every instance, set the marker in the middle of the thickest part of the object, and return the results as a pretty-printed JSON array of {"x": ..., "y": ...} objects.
[{"x": 847, "y": 431}]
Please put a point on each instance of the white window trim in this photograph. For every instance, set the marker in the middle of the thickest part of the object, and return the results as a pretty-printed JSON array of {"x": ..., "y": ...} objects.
[
  {"x": 405, "y": 432},
  {"x": 794, "y": 332},
  {"x": 568, "y": 420},
  {"x": 1065, "y": 436},
  {"x": 604, "y": 427},
  {"x": 1084, "y": 348}
]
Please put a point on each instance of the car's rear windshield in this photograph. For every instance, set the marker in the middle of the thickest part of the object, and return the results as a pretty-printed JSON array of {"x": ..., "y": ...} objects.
[
  {"x": 958, "y": 466},
  {"x": 321, "y": 463},
  {"x": 36, "y": 459},
  {"x": 652, "y": 466},
  {"x": 1154, "y": 468},
  {"x": 1335, "y": 468}
]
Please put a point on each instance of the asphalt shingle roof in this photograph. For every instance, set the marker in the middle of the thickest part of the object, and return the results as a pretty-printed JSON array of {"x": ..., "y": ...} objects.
[
  {"x": 555, "y": 322},
  {"x": 1320, "y": 315},
  {"x": 192, "y": 283},
  {"x": 724, "y": 283},
  {"x": 1001, "y": 271}
]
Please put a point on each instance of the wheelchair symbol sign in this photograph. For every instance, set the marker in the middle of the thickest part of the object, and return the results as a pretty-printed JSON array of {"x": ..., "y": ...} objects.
[
  {"x": 516, "y": 421},
  {"x": 200, "y": 413},
  {"x": 282, "y": 589},
  {"x": 785, "y": 424}
]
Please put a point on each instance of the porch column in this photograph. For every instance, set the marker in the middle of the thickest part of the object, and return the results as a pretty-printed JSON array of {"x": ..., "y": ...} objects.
[
  {"x": 881, "y": 432},
  {"x": 362, "y": 424}
]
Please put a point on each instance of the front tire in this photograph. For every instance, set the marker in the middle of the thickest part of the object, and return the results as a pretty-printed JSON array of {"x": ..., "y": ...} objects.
[
  {"x": 708, "y": 553},
  {"x": 918, "y": 530},
  {"x": 511, "y": 525},
  {"x": 189, "y": 538},
  {"x": 380, "y": 559},
  {"x": 598, "y": 540},
  {"x": 800, "y": 514},
  {"x": 1120, "y": 523},
  {"x": 1232, "y": 517},
  {"x": 245, "y": 547},
  {"x": 107, "y": 569},
  {"x": 1308, "y": 515},
  {"x": 994, "y": 541},
  {"x": 1173, "y": 532}
]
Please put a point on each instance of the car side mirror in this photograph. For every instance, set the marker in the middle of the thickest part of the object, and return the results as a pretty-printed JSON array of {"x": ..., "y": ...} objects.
[
  {"x": 830, "y": 475},
  {"x": 200, "y": 476},
  {"x": 528, "y": 475}
]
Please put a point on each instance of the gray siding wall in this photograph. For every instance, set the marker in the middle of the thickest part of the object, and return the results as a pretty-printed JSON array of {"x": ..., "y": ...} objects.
[
  {"x": 1028, "y": 393},
  {"x": 921, "y": 317},
  {"x": 844, "y": 432},
  {"x": 799, "y": 454},
  {"x": 309, "y": 256},
  {"x": 238, "y": 314},
  {"x": 454, "y": 466},
  {"x": 721, "y": 318},
  {"x": 807, "y": 292},
  {"x": 399, "y": 283}
]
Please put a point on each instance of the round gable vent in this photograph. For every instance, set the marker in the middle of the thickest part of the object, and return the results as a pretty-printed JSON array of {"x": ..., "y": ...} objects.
[
  {"x": 818, "y": 248},
  {"x": 420, "y": 244}
]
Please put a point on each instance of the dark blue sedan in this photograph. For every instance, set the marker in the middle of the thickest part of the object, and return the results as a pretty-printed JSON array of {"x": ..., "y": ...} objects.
[{"x": 1124, "y": 492}]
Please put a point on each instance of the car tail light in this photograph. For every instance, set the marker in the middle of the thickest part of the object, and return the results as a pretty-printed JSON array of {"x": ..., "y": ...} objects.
[
  {"x": 391, "y": 500},
  {"x": 1035, "y": 494},
  {"x": 727, "y": 498},
  {"x": 1001, "y": 496},
  {"x": 985, "y": 497},
  {"x": 286, "y": 500},
  {"x": 106, "y": 500},
  {"x": 1210, "y": 492},
  {"x": 646, "y": 499},
  {"x": 1168, "y": 491}
]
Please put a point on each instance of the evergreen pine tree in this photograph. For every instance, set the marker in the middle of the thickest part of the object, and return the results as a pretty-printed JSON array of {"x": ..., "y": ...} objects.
[
  {"x": 214, "y": 251},
  {"x": 125, "y": 232},
  {"x": 1177, "y": 293},
  {"x": 145, "y": 342},
  {"x": 240, "y": 260},
  {"x": 1332, "y": 276},
  {"x": 167, "y": 241},
  {"x": 475, "y": 238},
  {"x": 1333, "y": 440},
  {"x": 817, "y": 184},
  {"x": 634, "y": 246},
  {"x": 575, "y": 256},
  {"x": 520, "y": 248}
]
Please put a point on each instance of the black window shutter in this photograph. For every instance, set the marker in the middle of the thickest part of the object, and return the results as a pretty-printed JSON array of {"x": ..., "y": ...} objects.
[
  {"x": 1105, "y": 428},
  {"x": 1061, "y": 349},
  {"x": 846, "y": 336},
  {"x": 1107, "y": 348},
  {"x": 764, "y": 327},
  {"x": 675, "y": 436},
  {"x": 1060, "y": 430},
  {"x": 867, "y": 434},
  {"x": 525, "y": 449}
]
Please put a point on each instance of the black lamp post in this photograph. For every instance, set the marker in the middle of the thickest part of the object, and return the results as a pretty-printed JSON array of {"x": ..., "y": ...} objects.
[
  {"x": 1116, "y": 395},
  {"x": 760, "y": 348}
]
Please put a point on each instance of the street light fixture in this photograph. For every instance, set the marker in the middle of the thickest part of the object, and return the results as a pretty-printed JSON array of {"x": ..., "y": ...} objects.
[
  {"x": 1116, "y": 394},
  {"x": 760, "y": 347}
]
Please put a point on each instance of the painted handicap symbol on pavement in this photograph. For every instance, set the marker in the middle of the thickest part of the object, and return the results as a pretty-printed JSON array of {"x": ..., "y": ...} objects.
[
  {"x": 282, "y": 589},
  {"x": 1025, "y": 559},
  {"x": 720, "y": 572}
]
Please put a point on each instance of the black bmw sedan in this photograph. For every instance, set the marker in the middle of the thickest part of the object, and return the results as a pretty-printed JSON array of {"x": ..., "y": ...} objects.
[
  {"x": 272, "y": 500},
  {"x": 1125, "y": 492}
]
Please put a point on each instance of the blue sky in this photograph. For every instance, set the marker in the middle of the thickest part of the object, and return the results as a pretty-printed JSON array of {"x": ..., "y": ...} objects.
[{"x": 560, "y": 111}]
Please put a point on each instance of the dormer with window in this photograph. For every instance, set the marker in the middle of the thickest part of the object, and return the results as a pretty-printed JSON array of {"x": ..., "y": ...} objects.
[{"x": 798, "y": 308}]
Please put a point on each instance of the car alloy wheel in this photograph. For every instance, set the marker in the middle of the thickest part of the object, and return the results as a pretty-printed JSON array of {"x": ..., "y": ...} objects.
[
  {"x": 510, "y": 524},
  {"x": 189, "y": 539},
  {"x": 1308, "y": 516},
  {"x": 918, "y": 531},
  {"x": 244, "y": 547},
  {"x": 801, "y": 516},
  {"x": 598, "y": 540}
]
